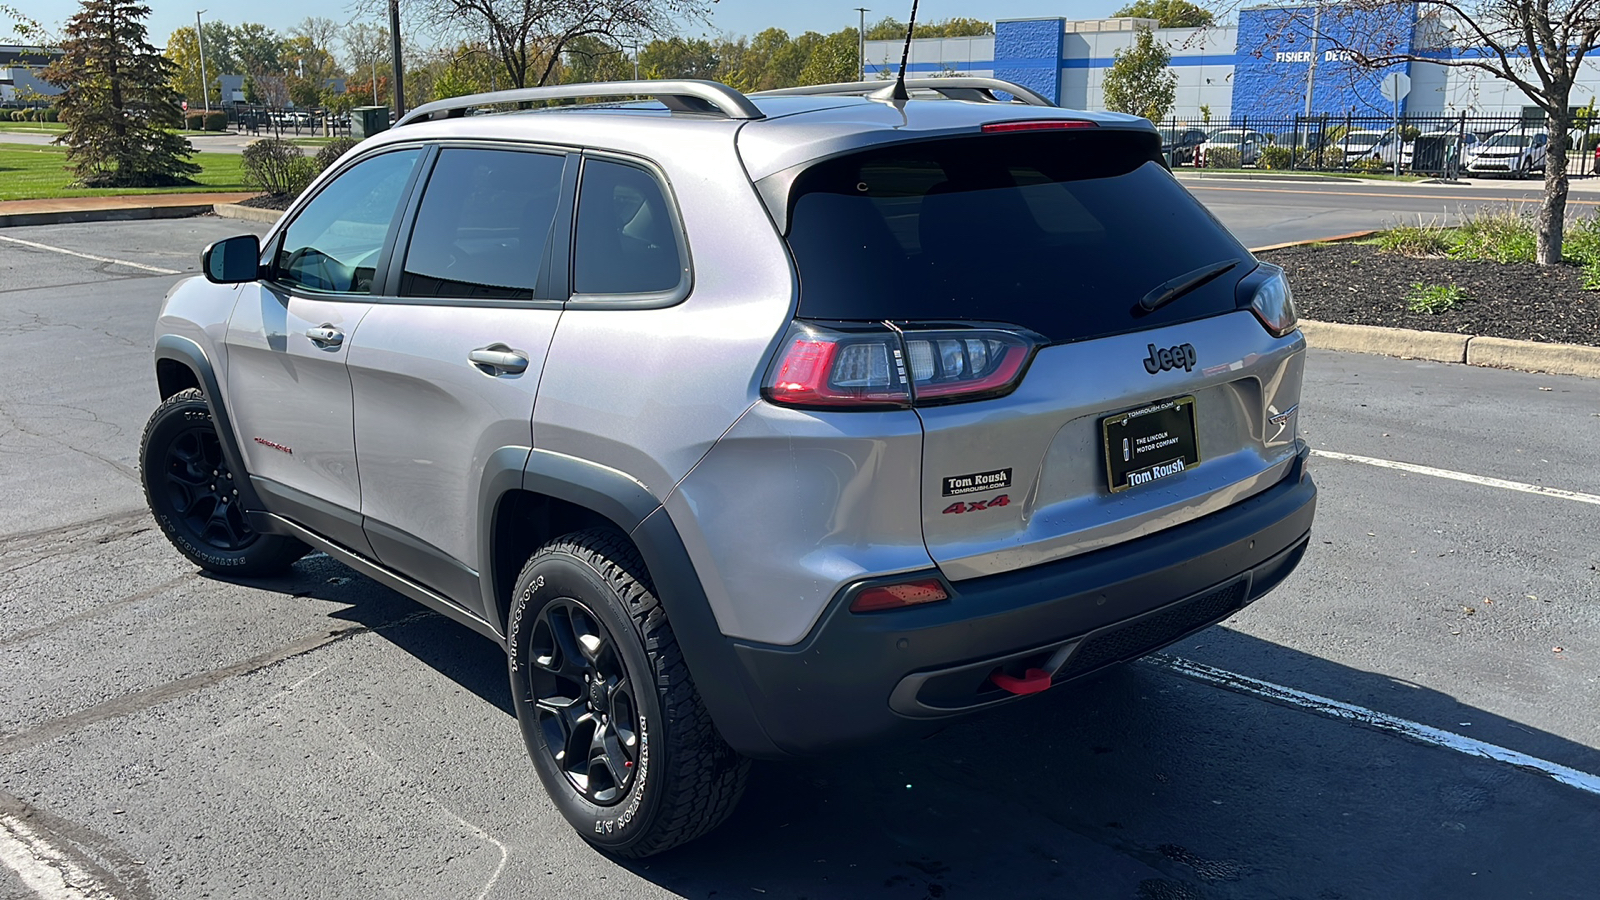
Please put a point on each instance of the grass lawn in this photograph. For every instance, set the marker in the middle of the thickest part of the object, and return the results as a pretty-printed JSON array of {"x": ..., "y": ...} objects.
[
  {"x": 33, "y": 127},
  {"x": 29, "y": 172}
]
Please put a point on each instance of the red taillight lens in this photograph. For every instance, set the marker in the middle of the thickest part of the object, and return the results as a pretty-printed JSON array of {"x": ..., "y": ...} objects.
[
  {"x": 871, "y": 365},
  {"x": 899, "y": 596},
  {"x": 853, "y": 367},
  {"x": 961, "y": 364},
  {"x": 1273, "y": 304},
  {"x": 1036, "y": 125}
]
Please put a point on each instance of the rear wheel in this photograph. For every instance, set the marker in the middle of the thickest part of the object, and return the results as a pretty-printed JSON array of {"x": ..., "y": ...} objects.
[
  {"x": 194, "y": 497},
  {"x": 617, "y": 731}
]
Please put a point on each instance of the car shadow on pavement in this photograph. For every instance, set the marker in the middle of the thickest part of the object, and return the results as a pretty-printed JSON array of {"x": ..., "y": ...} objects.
[{"x": 1139, "y": 783}]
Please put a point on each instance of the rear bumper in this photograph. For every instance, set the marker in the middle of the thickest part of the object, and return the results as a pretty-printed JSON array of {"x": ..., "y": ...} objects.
[{"x": 861, "y": 677}]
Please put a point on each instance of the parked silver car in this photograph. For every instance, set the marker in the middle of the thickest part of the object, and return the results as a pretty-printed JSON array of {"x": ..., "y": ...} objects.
[{"x": 746, "y": 426}]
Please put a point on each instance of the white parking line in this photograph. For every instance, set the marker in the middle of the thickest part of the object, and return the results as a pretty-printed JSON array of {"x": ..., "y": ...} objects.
[
  {"x": 1405, "y": 728},
  {"x": 48, "y": 872},
  {"x": 104, "y": 259},
  {"x": 1461, "y": 476}
]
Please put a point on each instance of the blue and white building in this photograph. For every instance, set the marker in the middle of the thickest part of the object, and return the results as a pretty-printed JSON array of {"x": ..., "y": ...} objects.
[{"x": 1260, "y": 66}]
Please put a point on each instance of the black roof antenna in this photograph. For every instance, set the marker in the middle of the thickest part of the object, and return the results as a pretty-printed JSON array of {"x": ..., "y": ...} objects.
[{"x": 900, "y": 83}]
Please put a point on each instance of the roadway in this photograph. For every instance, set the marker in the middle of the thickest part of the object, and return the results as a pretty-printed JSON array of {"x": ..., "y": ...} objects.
[{"x": 166, "y": 734}]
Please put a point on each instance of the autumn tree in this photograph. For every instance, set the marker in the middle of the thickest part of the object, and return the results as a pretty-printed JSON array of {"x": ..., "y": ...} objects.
[
  {"x": 184, "y": 53},
  {"x": 1168, "y": 13},
  {"x": 529, "y": 37},
  {"x": 1536, "y": 46},
  {"x": 891, "y": 29},
  {"x": 835, "y": 58},
  {"x": 117, "y": 101},
  {"x": 1140, "y": 80}
]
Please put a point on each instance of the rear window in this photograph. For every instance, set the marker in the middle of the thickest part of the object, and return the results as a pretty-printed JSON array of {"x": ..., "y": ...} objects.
[{"x": 1059, "y": 232}]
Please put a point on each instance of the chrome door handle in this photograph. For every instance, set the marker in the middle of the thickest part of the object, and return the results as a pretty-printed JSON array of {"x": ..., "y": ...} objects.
[
  {"x": 325, "y": 336},
  {"x": 496, "y": 359}
]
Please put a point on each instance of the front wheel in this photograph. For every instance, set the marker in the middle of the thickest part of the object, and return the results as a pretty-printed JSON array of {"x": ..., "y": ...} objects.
[
  {"x": 194, "y": 497},
  {"x": 615, "y": 726}
]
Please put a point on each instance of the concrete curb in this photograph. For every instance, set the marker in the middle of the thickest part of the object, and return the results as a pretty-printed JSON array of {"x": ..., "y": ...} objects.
[
  {"x": 247, "y": 213},
  {"x": 1183, "y": 172},
  {"x": 1472, "y": 350},
  {"x": 120, "y": 214}
]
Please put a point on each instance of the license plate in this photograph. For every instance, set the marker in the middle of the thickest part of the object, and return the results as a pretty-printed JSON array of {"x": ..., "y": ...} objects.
[{"x": 1150, "y": 443}]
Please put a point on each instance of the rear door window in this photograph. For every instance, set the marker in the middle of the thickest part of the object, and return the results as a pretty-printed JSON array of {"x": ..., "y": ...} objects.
[
  {"x": 1059, "y": 232},
  {"x": 483, "y": 226}
]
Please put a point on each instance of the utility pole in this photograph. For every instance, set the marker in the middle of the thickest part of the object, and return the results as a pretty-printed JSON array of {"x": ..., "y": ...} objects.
[
  {"x": 1311, "y": 71},
  {"x": 205, "y": 83},
  {"x": 861, "y": 44},
  {"x": 399, "y": 64}
]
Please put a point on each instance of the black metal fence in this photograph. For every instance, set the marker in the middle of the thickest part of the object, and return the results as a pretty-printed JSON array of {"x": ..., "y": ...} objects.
[
  {"x": 1440, "y": 146},
  {"x": 292, "y": 122}
]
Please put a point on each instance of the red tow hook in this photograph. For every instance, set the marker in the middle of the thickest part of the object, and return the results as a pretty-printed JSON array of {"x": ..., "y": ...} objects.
[{"x": 1032, "y": 682}]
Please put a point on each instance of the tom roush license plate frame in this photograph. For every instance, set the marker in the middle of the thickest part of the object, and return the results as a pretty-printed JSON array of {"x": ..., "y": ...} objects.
[{"x": 1150, "y": 443}]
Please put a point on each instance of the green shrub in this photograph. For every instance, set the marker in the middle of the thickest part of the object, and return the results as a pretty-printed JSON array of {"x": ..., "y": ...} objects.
[
  {"x": 277, "y": 166},
  {"x": 1591, "y": 276},
  {"x": 1421, "y": 239},
  {"x": 1275, "y": 158},
  {"x": 193, "y": 119},
  {"x": 1496, "y": 235},
  {"x": 1434, "y": 299},
  {"x": 1222, "y": 158},
  {"x": 1370, "y": 166},
  {"x": 215, "y": 120},
  {"x": 52, "y": 114},
  {"x": 1581, "y": 242},
  {"x": 332, "y": 150},
  {"x": 17, "y": 115}
]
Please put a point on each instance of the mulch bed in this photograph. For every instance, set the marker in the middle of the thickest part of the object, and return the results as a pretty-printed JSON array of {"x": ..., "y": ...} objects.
[
  {"x": 1360, "y": 285},
  {"x": 269, "y": 201}
]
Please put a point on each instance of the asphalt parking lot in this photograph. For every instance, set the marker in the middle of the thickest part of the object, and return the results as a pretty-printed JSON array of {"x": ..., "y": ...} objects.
[{"x": 1412, "y": 714}]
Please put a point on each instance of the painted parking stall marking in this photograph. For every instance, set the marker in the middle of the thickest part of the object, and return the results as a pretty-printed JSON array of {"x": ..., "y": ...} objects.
[
  {"x": 1461, "y": 476},
  {"x": 89, "y": 256},
  {"x": 1337, "y": 709}
]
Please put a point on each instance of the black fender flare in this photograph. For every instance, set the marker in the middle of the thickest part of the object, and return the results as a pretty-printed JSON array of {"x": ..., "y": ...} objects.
[
  {"x": 192, "y": 356},
  {"x": 711, "y": 657}
]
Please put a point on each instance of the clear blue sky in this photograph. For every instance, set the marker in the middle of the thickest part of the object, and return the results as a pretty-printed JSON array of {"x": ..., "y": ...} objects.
[{"x": 729, "y": 16}]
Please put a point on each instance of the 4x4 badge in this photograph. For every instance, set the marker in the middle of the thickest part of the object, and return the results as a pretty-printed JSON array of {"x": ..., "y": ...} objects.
[{"x": 1170, "y": 358}]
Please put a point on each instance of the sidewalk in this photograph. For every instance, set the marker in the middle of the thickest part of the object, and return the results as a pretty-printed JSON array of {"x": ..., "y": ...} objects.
[{"x": 102, "y": 209}]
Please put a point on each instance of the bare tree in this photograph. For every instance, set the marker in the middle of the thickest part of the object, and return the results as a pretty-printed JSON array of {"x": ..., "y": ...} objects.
[
  {"x": 529, "y": 36},
  {"x": 1536, "y": 46}
]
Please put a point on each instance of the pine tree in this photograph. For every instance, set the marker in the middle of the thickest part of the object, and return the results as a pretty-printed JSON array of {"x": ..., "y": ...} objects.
[{"x": 117, "y": 100}]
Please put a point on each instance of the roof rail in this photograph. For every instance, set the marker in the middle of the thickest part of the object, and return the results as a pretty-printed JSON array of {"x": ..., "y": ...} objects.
[
  {"x": 958, "y": 88},
  {"x": 682, "y": 95}
]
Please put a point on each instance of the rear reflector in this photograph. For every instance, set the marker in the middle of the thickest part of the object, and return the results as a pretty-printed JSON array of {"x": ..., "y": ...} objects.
[
  {"x": 898, "y": 596},
  {"x": 1036, "y": 125}
]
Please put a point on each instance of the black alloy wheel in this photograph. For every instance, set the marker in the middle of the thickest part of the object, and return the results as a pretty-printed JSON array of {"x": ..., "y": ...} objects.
[
  {"x": 195, "y": 495},
  {"x": 584, "y": 700},
  {"x": 201, "y": 492}
]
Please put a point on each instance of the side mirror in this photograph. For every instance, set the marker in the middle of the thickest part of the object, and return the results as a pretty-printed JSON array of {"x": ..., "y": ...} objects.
[{"x": 232, "y": 260}]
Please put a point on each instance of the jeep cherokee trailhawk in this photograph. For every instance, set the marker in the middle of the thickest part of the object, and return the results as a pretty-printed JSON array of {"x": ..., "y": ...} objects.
[{"x": 748, "y": 426}]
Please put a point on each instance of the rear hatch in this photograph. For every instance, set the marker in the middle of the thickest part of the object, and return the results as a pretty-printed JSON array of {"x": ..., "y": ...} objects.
[{"x": 1016, "y": 272}]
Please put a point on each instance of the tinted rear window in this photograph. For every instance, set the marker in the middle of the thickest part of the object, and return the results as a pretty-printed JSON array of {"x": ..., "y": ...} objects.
[{"x": 1059, "y": 232}]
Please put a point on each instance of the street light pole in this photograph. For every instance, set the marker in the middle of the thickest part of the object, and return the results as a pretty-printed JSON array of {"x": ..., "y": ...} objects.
[
  {"x": 1311, "y": 70},
  {"x": 205, "y": 83},
  {"x": 861, "y": 44},
  {"x": 399, "y": 64}
]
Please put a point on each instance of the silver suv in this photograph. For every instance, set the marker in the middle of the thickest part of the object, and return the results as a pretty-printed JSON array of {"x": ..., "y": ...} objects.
[{"x": 749, "y": 427}]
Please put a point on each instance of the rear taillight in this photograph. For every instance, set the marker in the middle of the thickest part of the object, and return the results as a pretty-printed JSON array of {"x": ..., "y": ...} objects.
[
  {"x": 1273, "y": 303},
  {"x": 876, "y": 365}
]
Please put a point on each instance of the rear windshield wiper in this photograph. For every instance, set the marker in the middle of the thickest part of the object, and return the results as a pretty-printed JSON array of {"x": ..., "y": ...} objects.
[{"x": 1168, "y": 291}]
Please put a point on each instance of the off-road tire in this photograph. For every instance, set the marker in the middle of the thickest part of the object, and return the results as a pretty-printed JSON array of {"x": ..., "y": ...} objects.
[
  {"x": 687, "y": 779},
  {"x": 179, "y": 441}
]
